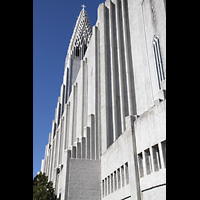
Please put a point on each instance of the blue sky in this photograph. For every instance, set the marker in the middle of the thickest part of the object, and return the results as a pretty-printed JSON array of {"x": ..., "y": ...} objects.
[{"x": 53, "y": 24}]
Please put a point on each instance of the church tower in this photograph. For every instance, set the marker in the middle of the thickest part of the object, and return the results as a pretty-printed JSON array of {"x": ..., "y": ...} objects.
[
  {"x": 108, "y": 138},
  {"x": 77, "y": 48}
]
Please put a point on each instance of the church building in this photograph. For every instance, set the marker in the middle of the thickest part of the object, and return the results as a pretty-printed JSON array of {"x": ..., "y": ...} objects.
[{"x": 108, "y": 137}]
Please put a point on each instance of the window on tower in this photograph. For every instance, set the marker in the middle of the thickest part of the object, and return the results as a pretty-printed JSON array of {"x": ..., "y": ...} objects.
[
  {"x": 158, "y": 61},
  {"x": 77, "y": 52}
]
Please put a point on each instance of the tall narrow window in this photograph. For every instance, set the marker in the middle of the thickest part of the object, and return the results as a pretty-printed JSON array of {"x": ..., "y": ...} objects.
[
  {"x": 140, "y": 162},
  {"x": 148, "y": 161},
  {"x": 111, "y": 177},
  {"x": 119, "y": 178},
  {"x": 108, "y": 184},
  {"x": 156, "y": 158},
  {"x": 158, "y": 61},
  {"x": 103, "y": 188},
  {"x": 163, "y": 144},
  {"x": 123, "y": 178},
  {"x": 115, "y": 180},
  {"x": 127, "y": 173}
]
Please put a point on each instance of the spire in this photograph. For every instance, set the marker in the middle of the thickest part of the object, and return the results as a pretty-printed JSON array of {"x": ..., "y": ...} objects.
[{"x": 82, "y": 32}]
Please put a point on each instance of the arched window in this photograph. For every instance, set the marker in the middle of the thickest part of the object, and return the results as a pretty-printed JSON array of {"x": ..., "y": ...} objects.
[{"x": 158, "y": 61}]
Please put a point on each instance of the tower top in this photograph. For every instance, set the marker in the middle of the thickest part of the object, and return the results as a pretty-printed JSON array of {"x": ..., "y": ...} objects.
[
  {"x": 81, "y": 34},
  {"x": 83, "y": 6}
]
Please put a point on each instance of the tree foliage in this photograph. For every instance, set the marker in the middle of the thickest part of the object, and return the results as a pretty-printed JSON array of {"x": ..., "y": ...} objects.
[{"x": 42, "y": 189}]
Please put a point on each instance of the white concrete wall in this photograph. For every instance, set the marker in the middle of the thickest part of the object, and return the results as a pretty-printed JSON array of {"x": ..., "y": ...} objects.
[
  {"x": 150, "y": 131},
  {"x": 115, "y": 159}
]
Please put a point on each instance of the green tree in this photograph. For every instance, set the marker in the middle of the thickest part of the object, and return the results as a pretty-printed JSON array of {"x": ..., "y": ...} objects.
[{"x": 42, "y": 189}]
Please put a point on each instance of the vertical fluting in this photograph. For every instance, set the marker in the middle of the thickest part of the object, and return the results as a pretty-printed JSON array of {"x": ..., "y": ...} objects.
[
  {"x": 120, "y": 64},
  {"x": 127, "y": 61},
  {"x": 113, "y": 72},
  {"x": 104, "y": 79}
]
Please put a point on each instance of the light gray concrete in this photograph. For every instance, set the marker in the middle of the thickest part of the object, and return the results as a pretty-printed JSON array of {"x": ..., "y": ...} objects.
[
  {"x": 108, "y": 137},
  {"x": 84, "y": 179}
]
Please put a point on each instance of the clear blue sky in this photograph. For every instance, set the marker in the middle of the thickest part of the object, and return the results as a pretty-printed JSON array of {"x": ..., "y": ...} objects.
[{"x": 53, "y": 24}]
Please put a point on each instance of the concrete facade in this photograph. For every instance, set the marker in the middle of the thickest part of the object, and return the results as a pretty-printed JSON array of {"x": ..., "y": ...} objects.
[{"x": 108, "y": 138}]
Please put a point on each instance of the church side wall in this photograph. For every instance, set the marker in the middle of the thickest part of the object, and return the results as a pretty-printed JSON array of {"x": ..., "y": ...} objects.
[{"x": 148, "y": 18}]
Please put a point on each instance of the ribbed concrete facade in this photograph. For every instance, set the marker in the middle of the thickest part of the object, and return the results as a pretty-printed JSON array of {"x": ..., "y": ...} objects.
[{"x": 108, "y": 138}]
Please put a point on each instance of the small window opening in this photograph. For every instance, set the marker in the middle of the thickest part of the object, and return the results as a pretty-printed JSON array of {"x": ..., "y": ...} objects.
[
  {"x": 108, "y": 184},
  {"x": 111, "y": 177},
  {"x": 123, "y": 178},
  {"x": 119, "y": 178},
  {"x": 85, "y": 48},
  {"x": 163, "y": 144},
  {"x": 148, "y": 161},
  {"x": 156, "y": 158},
  {"x": 103, "y": 188},
  {"x": 127, "y": 173},
  {"x": 140, "y": 162},
  {"x": 115, "y": 180},
  {"x": 77, "y": 52}
]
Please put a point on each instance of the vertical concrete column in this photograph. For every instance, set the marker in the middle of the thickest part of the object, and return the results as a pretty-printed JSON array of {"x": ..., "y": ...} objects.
[
  {"x": 56, "y": 151},
  {"x": 47, "y": 167},
  {"x": 73, "y": 115},
  {"x": 127, "y": 61},
  {"x": 73, "y": 151},
  {"x": 61, "y": 140},
  {"x": 82, "y": 96},
  {"x": 114, "y": 73},
  {"x": 53, "y": 130},
  {"x": 135, "y": 180},
  {"x": 45, "y": 159},
  {"x": 104, "y": 81},
  {"x": 91, "y": 124},
  {"x": 42, "y": 166},
  {"x": 57, "y": 118},
  {"x": 119, "y": 53},
  {"x": 65, "y": 80},
  {"x": 85, "y": 93},
  {"x": 87, "y": 135},
  {"x": 83, "y": 147},
  {"x": 78, "y": 149},
  {"x": 69, "y": 85},
  {"x": 58, "y": 147},
  {"x": 50, "y": 156},
  {"x": 50, "y": 163},
  {"x": 66, "y": 126},
  {"x": 52, "y": 160},
  {"x": 66, "y": 168},
  {"x": 97, "y": 91},
  {"x": 70, "y": 124},
  {"x": 68, "y": 142},
  {"x": 62, "y": 98}
]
